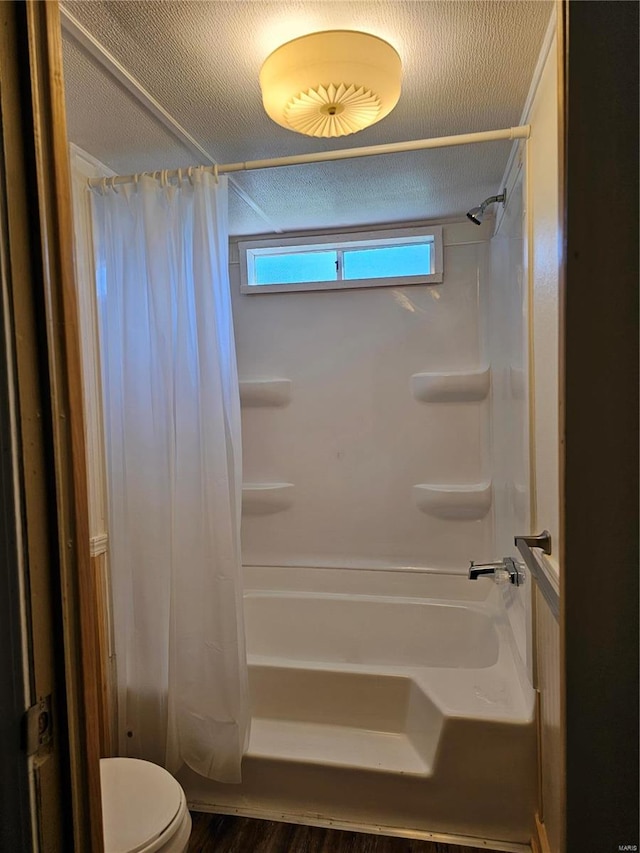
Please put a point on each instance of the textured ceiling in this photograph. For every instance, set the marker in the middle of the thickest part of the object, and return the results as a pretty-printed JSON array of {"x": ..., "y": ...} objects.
[{"x": 467, "y": 67}]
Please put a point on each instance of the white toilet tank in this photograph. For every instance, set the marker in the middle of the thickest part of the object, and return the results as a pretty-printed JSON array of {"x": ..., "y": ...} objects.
[{"x": 144, "y": 809}]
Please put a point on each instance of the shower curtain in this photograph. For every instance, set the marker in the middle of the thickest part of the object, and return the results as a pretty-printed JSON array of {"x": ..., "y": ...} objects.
[{"x": 172, "y": 424}]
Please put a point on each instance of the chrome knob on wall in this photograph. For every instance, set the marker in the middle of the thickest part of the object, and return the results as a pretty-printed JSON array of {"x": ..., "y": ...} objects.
[{"x": 506, "y": 570}]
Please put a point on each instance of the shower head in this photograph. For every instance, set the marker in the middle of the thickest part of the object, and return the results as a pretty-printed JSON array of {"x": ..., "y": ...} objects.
[{"x": 476, "y": 214}]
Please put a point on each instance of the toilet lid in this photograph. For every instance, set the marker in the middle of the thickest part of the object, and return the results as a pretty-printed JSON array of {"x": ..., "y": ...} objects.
[{"x": 139, "y": 801}]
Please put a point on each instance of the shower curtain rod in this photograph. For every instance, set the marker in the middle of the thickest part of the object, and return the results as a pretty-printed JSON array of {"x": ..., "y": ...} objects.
[{"x": 521, "y": 132}]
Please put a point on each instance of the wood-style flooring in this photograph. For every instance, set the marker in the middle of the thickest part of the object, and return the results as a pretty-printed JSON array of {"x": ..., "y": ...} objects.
[{"x": 226, "y": 834}]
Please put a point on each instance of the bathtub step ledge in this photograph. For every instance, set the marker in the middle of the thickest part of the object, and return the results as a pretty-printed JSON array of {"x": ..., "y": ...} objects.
[{"x": 336, "y": 746}]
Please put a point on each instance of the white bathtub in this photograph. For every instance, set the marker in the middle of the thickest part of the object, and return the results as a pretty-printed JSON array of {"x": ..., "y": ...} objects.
[
  {"x": 384, "y": 700},
  {"x": 367, "y": 629}
]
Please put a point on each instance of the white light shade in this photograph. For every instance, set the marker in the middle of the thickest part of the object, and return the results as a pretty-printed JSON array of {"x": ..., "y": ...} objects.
[{"x": 331, "y": 83}]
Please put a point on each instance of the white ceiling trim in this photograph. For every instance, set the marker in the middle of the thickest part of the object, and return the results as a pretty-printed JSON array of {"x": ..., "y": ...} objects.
[
  {"x": 533, "y": 88},
  {"x": 540, "y": 64},
  {"x": 99, "y": 52}
]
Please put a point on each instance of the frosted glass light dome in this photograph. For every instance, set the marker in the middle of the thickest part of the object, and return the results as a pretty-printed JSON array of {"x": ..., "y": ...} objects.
[{"x": 331, "y": 83}]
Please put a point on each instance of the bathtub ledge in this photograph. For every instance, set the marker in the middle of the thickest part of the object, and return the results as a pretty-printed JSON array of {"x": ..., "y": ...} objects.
[{"x": 336, "y": 746}]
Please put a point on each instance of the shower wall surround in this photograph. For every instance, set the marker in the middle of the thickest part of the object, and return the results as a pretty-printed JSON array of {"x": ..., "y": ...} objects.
[
  {"x": 366, "y": 420},
  {"x": 505, "y": 340}
]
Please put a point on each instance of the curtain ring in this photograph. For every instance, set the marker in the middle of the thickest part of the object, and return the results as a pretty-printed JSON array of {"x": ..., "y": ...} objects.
[
  {"x": 113, "y": 185},
  {"x": 179, "y": 177},
  {"x": 103, "y": 186},
  {"x": 190, "y": 175},
  {"x": 215, "y": 172}
]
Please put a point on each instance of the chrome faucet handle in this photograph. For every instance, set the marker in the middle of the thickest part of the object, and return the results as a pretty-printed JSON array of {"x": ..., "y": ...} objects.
[{"x": 514, "y": 568}]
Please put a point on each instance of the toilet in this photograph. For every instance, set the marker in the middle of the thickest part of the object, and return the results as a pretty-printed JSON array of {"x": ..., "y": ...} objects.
[{"x": 144, "y": 809}]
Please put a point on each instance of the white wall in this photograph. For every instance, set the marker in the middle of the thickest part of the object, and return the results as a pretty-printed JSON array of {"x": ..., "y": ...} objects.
[
  {"x": 353, "y": 440},
  {"x": 543, "y": 195},
  {"x": 521, "y": 330},
  {"x": 522, "y": 339},
  {"x": 505, "y": 301},
  {"x": 542, "y": 190},
  {"x": 83, "y": 167}
]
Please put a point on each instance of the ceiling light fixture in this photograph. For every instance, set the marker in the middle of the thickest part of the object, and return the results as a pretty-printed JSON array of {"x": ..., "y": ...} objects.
[{"x": 332, "y": 83}]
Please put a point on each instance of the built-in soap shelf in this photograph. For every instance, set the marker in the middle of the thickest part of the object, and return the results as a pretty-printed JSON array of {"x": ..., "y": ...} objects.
[
  {"x": 451, "y": 386},
  {"x": 266, "y": 498},
  {"x": 265, "y": 392},
  {"x": 469, "y": 502}
]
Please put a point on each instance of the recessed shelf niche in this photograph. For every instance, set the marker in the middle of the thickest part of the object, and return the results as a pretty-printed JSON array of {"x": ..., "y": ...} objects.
[
  {"x": 266, "y": 498},
  {"x": 451, "y": 386},
  {"x": 265, "y": 392},
  {"x": 454, "y": 502}
]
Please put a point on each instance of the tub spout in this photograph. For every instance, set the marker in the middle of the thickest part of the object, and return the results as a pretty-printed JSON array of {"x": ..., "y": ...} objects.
[
  {"x": 478, "y": 569},
  {"x": 503, "y": 571}
]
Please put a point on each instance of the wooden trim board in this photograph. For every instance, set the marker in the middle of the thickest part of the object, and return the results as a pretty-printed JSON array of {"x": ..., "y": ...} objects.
[
  {"x": 49, "y": 177},
  {"x": 539, "y": 841},
  {"x": 305, "y": 819}
]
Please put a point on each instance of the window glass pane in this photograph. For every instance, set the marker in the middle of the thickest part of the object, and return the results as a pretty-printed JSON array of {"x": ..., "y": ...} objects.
[
  {"x": 387, "y": 262},
  {"x": 298, "y": 267}
]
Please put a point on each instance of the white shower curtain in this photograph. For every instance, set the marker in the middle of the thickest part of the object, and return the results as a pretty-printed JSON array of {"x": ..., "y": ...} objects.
[{"x": 172, "y": 421}]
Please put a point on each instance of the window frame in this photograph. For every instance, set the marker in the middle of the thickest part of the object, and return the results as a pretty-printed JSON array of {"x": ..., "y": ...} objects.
[{"x": 249, "y": 249}]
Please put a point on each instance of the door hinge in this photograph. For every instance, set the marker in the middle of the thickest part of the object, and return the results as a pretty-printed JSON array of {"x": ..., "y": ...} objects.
[{"x": 38, "y": 725}]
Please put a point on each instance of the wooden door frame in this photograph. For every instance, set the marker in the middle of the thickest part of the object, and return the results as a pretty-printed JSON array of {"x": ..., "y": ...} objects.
[
  {"x": 599, "y": 393},
  {"x": 15, "y": 824},
  {"x": 49, "y": 388}
]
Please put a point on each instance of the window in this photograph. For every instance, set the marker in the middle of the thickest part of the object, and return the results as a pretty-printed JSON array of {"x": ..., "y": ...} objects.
[{"x": 370, "y": 259}]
